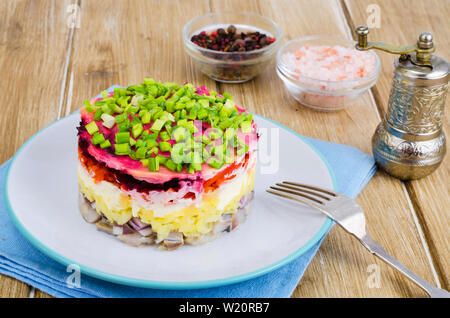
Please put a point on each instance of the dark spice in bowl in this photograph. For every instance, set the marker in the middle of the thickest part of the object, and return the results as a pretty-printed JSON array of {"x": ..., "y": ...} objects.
[
  {"x": 232, "y": 40},
  {"x": 231, "y": 47}
]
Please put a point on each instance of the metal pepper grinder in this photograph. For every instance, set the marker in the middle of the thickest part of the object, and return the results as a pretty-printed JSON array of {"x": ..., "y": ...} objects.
[{"x": 409, "y": 143}]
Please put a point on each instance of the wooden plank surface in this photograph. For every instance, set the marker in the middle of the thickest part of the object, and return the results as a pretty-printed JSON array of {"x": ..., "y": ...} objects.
[
  {"x": 340, "y": 268},
  {"x": 121, "y": 42},
  {"x": 108, "y": 51},
  {"x": 401, "y": 23},
  {"x": 126, "y": 53},
  {"x": 33, "y": 49}
]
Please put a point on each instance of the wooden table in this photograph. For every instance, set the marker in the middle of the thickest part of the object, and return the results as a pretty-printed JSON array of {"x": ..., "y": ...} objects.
[{"x": 49, "y": 69}]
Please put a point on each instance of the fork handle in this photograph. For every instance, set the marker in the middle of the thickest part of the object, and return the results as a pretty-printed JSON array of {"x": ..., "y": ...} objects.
[{"x": 379, "y": 251}]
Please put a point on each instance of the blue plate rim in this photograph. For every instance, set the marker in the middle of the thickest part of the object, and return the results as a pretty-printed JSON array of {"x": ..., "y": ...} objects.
[{"x": 164, "y": 284}]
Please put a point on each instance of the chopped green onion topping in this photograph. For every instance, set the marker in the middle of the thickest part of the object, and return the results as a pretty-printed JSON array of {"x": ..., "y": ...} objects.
[
  {"x": 243, "y": 149},
  {"x": 162, "y": 159},
  {"x": 121, "y": 118},
  {"x": 165, "y": 146},
  {"x": 146, "y": 118},
  {"x": 133, "y": 109},
  {"x": 182, "y": 122},
  {"x": 98, "y": 115},
  {"x": 141, "y": 152},
  {"x": 151, "y": 143},
  {"x": 179, "y": 133},
  {"x": 170, "y": 165},
  {"x": 144, "y": 162},
  {"x": 89, "y": 107},
  {"x": 177, "y": 151},
  {"x": 152, "y": 151},
  {"x": 169, "y": 111},
  {"x": 98, "y": 138},
  {"x": 119, "y": 92},
  {"x": 215, "y": 163},
  {"x": 153, "y": 164},
  {"x": 190, "y": 125},
  {"x": 123, "y": 137},
  {"x": 92, "y": 128},
  {"x": 158, "y": 125},
  {"x": 246, "y": 127},
  {"x": 124, "y": 126},
  {"x": 122, "y": 149},
  {"x": 215, "y": 133},
  {"x": 204, "y": 102},
  {"x": 164, "y": 136},
  {"x": 137, "y": 130},
  {"x": 229, "y": 133},
  {"x": 105, "y": 144},
  {"x": 168, "y": 127}
]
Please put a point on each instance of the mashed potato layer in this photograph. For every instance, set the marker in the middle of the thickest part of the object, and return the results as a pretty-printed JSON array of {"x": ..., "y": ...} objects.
[{"x": 192, "y": 217}]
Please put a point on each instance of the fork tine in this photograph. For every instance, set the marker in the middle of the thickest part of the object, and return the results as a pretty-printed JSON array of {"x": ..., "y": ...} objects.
[
  {"x": 329, "y": 192},
  {"x": 293, "y": 197},
  {"x": 297, "y": 194},
  {"x": 303, "y": 190}
]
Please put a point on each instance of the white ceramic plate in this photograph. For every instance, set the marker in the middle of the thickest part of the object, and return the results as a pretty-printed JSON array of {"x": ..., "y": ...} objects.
[{"x": 41, "y": 194}]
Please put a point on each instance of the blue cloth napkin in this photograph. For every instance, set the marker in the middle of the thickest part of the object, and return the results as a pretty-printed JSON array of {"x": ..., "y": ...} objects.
[{"x": 19, "y": 259}]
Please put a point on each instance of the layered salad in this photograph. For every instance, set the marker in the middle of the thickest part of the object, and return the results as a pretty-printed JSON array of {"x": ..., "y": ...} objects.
[{"x": 166, "y": 164}]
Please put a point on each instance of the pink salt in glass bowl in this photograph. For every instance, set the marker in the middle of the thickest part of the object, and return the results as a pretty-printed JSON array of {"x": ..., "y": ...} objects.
[{"x": 324, "y": 95}]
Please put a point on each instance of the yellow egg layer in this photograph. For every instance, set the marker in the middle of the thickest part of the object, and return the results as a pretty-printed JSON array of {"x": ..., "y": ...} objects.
[{"x": 192, "y": 220}]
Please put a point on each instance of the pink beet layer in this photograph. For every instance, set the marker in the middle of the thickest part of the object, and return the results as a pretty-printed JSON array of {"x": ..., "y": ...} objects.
[{"x": 135, "y": 168}]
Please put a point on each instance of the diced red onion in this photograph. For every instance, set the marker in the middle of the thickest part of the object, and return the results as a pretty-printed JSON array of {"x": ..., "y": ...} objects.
[
  {"x": 122, "y": 229},
  {"x": 138, "y": 224},
  {"x": 245, "y": 200},
  {"x": 146, "y": 232},
  {"x": 127, "y": 229}
]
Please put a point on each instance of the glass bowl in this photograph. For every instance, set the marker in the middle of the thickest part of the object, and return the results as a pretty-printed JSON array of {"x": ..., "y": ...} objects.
[
  {"x": 231, "y": 67},
  {"x": 325, "y": 95}
]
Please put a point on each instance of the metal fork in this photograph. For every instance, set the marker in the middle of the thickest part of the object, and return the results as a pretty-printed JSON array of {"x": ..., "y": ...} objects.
[{"x": 345, "y": 212}]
